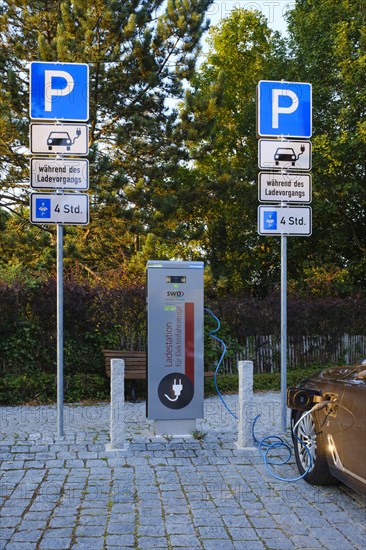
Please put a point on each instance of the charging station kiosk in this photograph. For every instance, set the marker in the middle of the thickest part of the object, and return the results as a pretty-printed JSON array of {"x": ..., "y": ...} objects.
[{"x": 175, "y": 376}]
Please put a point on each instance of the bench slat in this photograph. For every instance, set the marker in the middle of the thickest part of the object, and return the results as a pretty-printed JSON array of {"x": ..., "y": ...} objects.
[{"x": 135, "y": 363}]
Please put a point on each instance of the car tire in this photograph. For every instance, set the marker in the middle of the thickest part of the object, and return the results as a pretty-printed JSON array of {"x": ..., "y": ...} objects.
[{"x": 310, "y": 433}]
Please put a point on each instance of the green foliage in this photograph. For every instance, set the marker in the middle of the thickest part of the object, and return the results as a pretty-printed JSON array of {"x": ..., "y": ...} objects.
[
  {"x": 173, "y": 150},
  {"x": 328, "y": 45},
  {"x": 96, "y": 318},
  {"x": 220, "y": 121},
  {"x": 213, "y": 349},
  {"x": 229, "y": 383},
  {"x": 141, "y": 55},
  {"x": 327, "y": 48},
  {"x": 198, "y": 435},
  {"x": 38, "y": 388}
]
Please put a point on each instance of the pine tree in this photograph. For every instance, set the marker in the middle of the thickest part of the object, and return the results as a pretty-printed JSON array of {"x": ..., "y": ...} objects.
[{"x": 140, "y": 53}]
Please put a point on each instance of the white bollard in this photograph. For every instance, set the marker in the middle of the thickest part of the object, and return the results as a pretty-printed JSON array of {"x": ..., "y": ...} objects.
[
  {"x": 245, "y": 437},
  {"x": 117, "y": 423}
]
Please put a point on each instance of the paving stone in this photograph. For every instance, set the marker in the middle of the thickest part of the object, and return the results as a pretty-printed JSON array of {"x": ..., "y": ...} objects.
[
  {"x": 89, "y": 544},
  {"x": 212, "y": 532},
  {"x": 36, "y": 516},
  {"x": 149, "y": 542},
  {"x": 236, "y": 521},
  {"x": 180, "y": 494},
  {"x": 266, "y": 522},
  {"x": 30, "y": 525},
  {"x": 219, "y": 544},
  {"x": 120, "y": 528},
  {"x": 95, "y": 519},
  {"x": 121, "y": 540},
  {"x": 303, "y": 542},
  {"x": 151, "y": 531},
  {"x": 251, "y": 545},
  {"x": 90, "y": 531},
  {"x": 58, "y": 532},
  {"x": 51, "y": 543},
  {"x": 20, "y": 546},
  {"x": 6, "y": 533},
  {"x": 12, "y": 511},
  {"x": 32, "y": 535},
  {"x": 179, "y": 528},
  {"x": 185, "y": 541},
  {"x": 243, "y": 534}
]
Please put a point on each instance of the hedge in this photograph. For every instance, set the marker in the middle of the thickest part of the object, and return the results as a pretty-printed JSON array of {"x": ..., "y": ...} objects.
[{"x": 98, "y": 317}]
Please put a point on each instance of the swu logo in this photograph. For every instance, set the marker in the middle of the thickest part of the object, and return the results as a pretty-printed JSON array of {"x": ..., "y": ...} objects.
[{"x": 175, "y": 293}]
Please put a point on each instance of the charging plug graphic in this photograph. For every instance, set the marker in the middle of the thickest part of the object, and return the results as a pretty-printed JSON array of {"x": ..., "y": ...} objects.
[{"x": 177, "y": 389}]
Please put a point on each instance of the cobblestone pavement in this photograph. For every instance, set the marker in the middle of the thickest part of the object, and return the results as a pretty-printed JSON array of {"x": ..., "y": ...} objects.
[{"x": 160, "y": 493}]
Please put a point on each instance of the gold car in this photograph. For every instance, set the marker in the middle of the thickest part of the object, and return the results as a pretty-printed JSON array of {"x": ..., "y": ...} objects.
[{"x": 330, "y": 443}]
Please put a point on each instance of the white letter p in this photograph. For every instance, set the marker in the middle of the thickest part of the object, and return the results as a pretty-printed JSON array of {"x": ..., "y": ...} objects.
[
  {"x": 276, "y": 109},
  {"x": 49, "y": 91}
]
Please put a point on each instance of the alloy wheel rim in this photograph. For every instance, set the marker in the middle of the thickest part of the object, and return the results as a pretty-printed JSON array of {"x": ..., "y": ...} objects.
[{"x": 307, "y": 433}]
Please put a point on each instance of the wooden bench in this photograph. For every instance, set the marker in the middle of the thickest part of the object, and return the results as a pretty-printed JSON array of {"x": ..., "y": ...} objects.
[{"x": 135, "y": 366}]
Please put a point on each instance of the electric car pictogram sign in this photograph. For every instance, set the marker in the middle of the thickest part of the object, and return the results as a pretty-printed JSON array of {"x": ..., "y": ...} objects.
[
  {"x": 59, "y": 91},
  {"x": 289, "y": 155},
  {"x": 284, "y": 109},
  {"x": 64, "y": 139}
]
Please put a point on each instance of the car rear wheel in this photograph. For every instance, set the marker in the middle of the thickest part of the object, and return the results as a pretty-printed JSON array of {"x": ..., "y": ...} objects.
[{"x": 311, "y": 437}]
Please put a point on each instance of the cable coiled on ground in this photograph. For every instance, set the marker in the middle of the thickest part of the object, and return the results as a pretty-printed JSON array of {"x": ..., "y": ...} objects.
[{"x": 270, "y": 442}]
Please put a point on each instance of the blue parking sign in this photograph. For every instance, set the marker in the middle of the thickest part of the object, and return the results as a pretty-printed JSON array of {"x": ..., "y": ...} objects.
[
  {"x": 284, "y": 109},
  {"x": 59, "y": 91}
]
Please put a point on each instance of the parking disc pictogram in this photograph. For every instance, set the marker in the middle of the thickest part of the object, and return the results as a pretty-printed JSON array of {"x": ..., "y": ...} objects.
[
  {"x": 175, "y": 390},
  {"x": 43, "y": 209},
  {"x": 270, "y": 220}
]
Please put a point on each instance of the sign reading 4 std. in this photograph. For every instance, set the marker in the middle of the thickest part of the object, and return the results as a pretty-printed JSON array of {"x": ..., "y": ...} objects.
[
  {"x": 49, "y": 208},
  {"x": 284, "y": 220}
]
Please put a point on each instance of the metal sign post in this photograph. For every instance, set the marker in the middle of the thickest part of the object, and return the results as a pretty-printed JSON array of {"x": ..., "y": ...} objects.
[
  {"x": 284, "y": 111},
  {"x": 283, "y": 330},
  {"x": 60, "y": 331},
  {"x": 59, "y": 92}
]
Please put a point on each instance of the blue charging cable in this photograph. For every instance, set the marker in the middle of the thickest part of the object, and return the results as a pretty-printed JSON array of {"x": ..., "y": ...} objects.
[
  {"x": 213, "y": 335},
  {"x": 268, "y": 443}
]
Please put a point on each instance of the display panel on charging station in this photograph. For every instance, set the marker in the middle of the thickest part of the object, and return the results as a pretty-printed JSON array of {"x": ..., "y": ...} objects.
[{"x": 175, "y": 340}]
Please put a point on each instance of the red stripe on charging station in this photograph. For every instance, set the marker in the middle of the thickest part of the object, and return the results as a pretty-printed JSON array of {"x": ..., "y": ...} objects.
[{"x": 189, "y": 340}]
